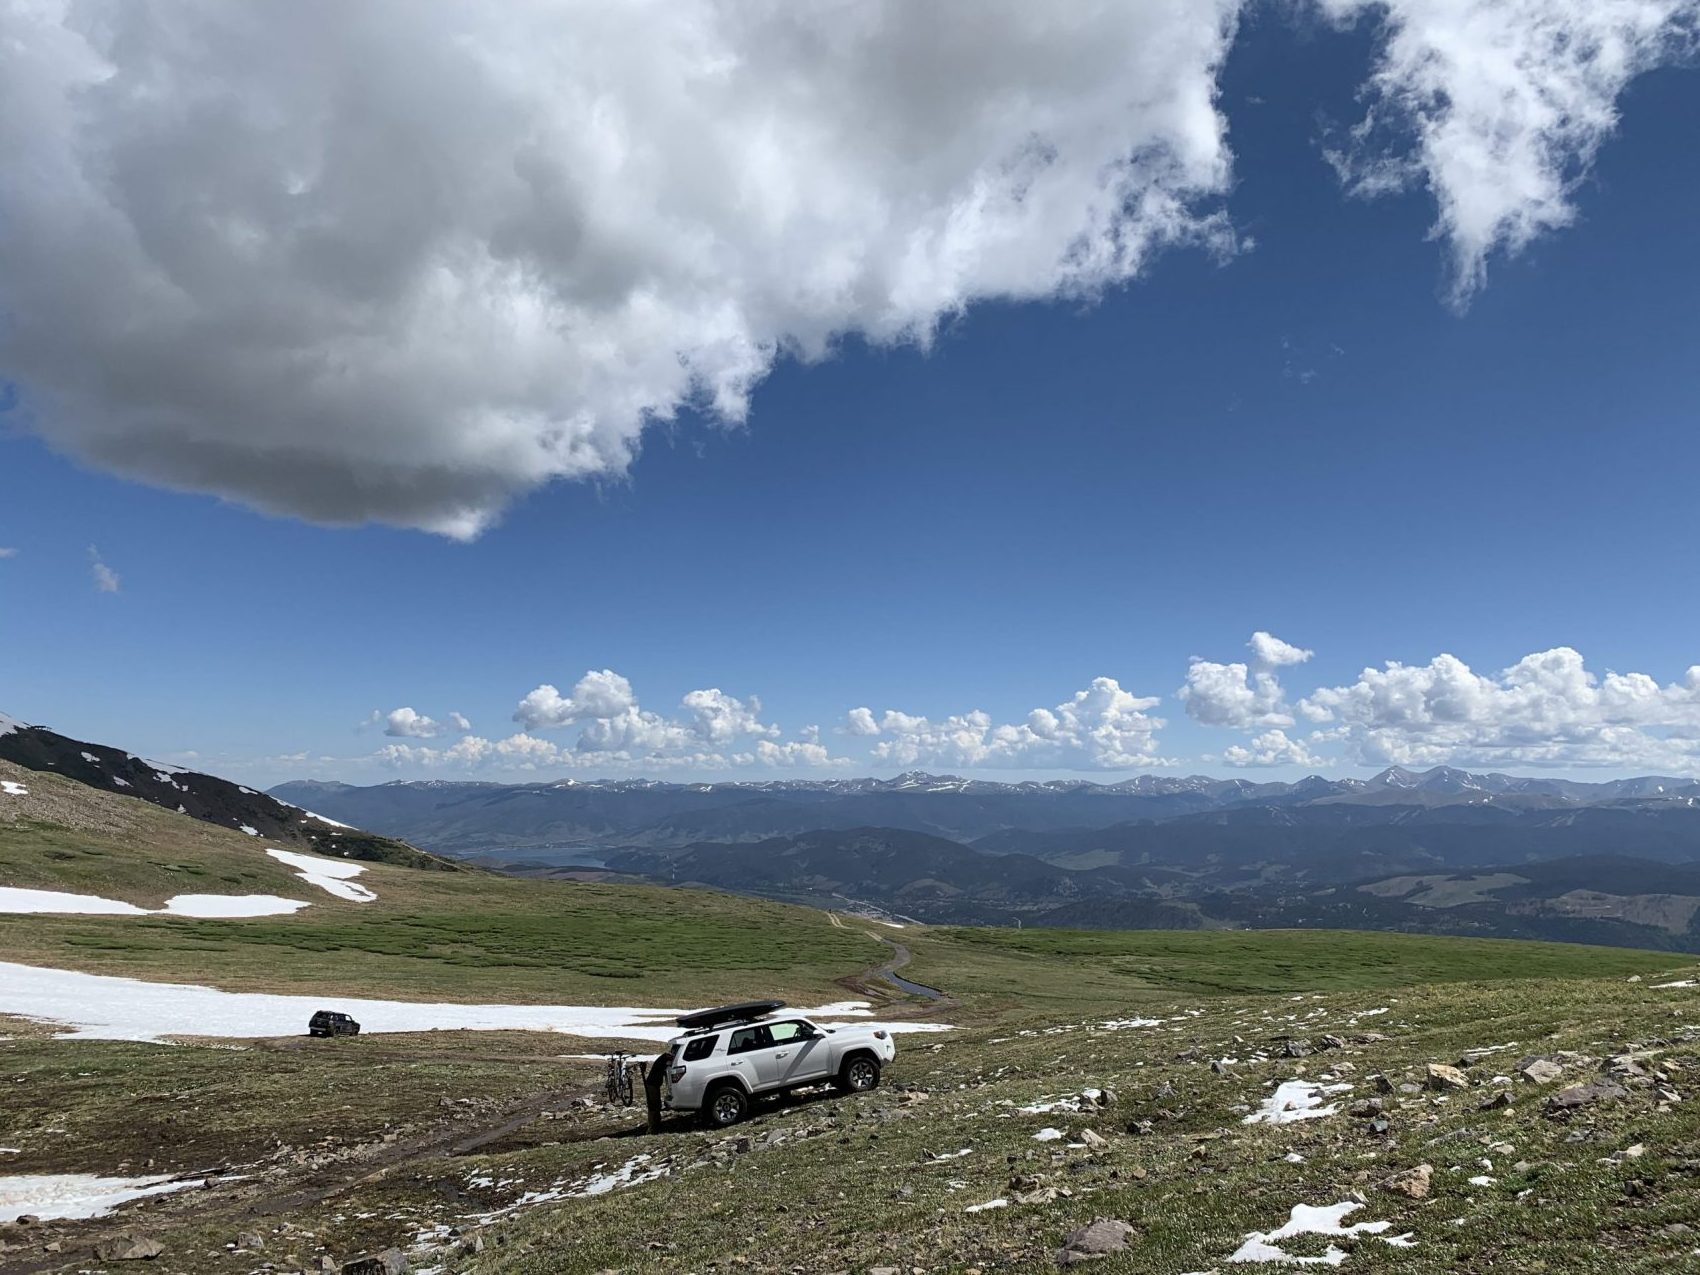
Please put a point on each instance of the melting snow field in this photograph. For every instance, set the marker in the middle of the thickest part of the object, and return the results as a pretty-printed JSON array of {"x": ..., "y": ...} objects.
[
  {"x": 1307, "y": 1219},
  {"x": 13, "y": 899},
  {"x": 76, "y": 1195},
  {"x": 104, "y": 1007},
  {"x": 330, "y": 875},
  {"x": 1296, "y": 1100},
  {"x": 12, "y": 788}
]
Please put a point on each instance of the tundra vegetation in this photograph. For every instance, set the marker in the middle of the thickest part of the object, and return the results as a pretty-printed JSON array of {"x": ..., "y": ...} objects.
[{"x": 1498, "y": 1105}]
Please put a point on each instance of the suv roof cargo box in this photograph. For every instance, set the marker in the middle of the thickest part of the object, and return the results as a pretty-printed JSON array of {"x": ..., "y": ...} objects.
[{"x": 742, "y": 1012}]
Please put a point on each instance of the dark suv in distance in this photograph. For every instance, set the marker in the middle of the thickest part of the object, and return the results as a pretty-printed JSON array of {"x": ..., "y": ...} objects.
[{"x": 328, "y": 1022}]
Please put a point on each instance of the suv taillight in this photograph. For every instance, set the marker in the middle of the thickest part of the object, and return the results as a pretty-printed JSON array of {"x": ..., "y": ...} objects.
[{"x": 675, "y": 1074}]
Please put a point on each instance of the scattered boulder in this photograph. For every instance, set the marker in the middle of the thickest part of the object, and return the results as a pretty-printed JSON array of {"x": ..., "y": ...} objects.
[
  {"x": 1412, "y": 1183},
  {"x": 1578, "y": 1096},
  {"x": 1539, "y": 1071},
  {"x": 1098, "y": 1239},
  {"x": 250, "y": 1240},
  {"x": 390, "y": 1262},
  {"x": 1094, "y": 1139},
  {"x": 129, "y": 1248},
  {"x": 1328, "y": 1040},
  {"x": 1441, "y": 1076},
  {"x": 1297, "y": 1049}
]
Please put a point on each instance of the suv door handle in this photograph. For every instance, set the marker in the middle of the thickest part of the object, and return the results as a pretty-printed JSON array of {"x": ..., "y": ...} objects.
[{"x": 782, "y": 1053}]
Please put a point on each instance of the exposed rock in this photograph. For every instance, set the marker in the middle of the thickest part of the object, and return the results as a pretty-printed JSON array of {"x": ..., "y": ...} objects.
[
  {"x": 1413, "y": 1183},
  {"x": 390, "y": 1262},
  {"x": 1441, "y": 1076},
  {"x": 1296, "y": 1049},
  {"x": 1500, "y": 1099},
  {"x": 1382, "y": 1084},
  {"x": 250, "y": 1240},
  {"x": 1328, "y": 1040},
  {"x": 1578, "y": 1096},
  {"x": 1539, "y": 1071},
  {"x": 1098, "y": 1239},
  {"x": 128, "y": 1248},
  {"x": 1094, "y": 1139}
]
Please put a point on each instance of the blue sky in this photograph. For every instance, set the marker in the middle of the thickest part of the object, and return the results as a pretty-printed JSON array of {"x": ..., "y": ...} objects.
[{"x": 1301, "y": 436}]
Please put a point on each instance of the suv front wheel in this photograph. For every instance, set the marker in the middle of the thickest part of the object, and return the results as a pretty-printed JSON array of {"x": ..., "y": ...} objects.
[
  {"x": 859, "y": 1073},
  {"x": 725, "y": 1106}
]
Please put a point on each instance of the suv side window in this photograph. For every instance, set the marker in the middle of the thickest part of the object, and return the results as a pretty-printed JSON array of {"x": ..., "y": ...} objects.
[
  {"x": 700, "y": 1048},
  {"x": 748, "y": 1038},
  {"x": 784, "y": 1033}
]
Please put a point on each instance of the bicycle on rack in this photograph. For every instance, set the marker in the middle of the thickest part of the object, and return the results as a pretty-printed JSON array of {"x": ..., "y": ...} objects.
[{"x": 619, "y": 1082}]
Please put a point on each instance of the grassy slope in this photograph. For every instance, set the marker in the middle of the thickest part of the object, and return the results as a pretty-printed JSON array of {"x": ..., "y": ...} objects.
[
  {"x": 865, "y": 1192},
  {"x": 1092, "y": 965},
  {"x": 861, "y": 1191}
]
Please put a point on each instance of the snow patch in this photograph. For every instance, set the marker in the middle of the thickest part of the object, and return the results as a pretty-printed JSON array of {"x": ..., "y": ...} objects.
[
  {"x": 76, "y": 1195},
  {"x": 332, "y": 822},
  {"x": 329, "y": 875},
  {"x": 10, "y": 724},
  {"x": 1306, "y": 1219},
  {"x": 105, "y": 1007},
  {"x": 1296, "y": 1100},
  {"x": 16, "y": 900},
  {"x": 252, "y": 832},
  {"x": 999, "y": 1203},
  {"x": 90, "y": 757},
  {"x": 1048, "y": 1134},
  {"x": 1681, "y": 982},
  {"x": 12, "y": 788}
]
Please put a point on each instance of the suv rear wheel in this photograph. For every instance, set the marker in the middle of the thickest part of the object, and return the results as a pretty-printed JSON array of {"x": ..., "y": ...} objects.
[
  {"x": 860, "y": 1072},
  {"x": 726, "y": 1105}
]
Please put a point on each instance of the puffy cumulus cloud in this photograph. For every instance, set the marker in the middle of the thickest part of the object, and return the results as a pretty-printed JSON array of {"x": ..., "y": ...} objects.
[
  {"x": 1271, "y": 652},
  {"x": 1499, "y": 107},
  {"x": 404, "y": 723},
  {"x": 1100, "y": 728},
  {"x": 459, "y": 722},
  {"x": 1547, "y": 709},
  {"x": 615, "y": 728},
  {"x": 1272, "y": 748},
  {"x": 1240, "y": 695},
  {"x": 404, "y": 262},
  {"x": 860, "y": 722},
  {"x": 718, "y": 718}
]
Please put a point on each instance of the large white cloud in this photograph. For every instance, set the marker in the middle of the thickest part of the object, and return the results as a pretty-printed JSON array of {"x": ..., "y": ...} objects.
[
  {"x": 1499, "y": 106},
  {"x": 613, "y": 726},
  {"x": 404, "y": 261},
  {"x": 406, "y": 723},
  {"x": 1240, "y": 695},
  {"x": 1272, "y": 748},
  {"x": 1547, "y": 709},
  {"x": 401, "y": 261},
  {"x": 1101, "y": 727}
]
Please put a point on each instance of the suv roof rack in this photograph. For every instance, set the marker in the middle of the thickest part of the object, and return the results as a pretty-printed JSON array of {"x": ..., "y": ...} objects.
[{"x": 742, "y": 1012}]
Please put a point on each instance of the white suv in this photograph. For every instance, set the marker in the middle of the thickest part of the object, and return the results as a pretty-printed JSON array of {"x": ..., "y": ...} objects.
[{"x": 730, "y": 1055}]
